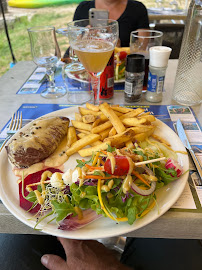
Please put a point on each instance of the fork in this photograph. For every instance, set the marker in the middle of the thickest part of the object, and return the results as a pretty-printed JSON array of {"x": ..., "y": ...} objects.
[{"x": 15, "y": 125}]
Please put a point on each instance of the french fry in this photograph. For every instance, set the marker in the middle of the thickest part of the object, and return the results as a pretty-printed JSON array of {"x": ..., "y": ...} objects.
[
  {"x": 92, "y": 107},
  {"x": 122, "y": 109},
  {"x": 118, "y": 113},
  {"x": 112, "y": 132},
  {"x": 133, "y": 121},
  {"x": 82, "y": 135},
  {"x": 81, "y": 125},
  {"x": 89, "y": 151},
  {"x": 83, "y": 131},
  {"x": 104, "y": 134},
  {"x": 121, "y": 138},
  {"x": 142, "y": 128},
  {"x": 110, "y": 114},
  {"x": 131, "y": 114},
  {"x": 143, "y": 114},
  {"x": 97, "y": 122},
  {"x": 71, "y": 136},
  {"x": 149, "y": 118},
  {"x": 78, "y": 117},
  {"x": 160, "y": 139},
  {"x": 130, "y": 145},
  {"x": 88, "y": 118},
  {"x": 84, "y": 111},
  {"x": 101, "y": 127},
  {"x": 96, "y": 143},
  {"x": 78, "y": 145},
  {"x": 143, "y": 136}
]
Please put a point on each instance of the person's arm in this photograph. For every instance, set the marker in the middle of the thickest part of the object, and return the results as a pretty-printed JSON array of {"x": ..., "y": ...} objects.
[{"x": 81, "y": 254}]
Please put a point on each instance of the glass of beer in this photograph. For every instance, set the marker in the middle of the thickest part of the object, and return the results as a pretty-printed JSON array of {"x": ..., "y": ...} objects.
[
  {"x": 94, "y": 46},
  {"x": 141, "y": 41}
]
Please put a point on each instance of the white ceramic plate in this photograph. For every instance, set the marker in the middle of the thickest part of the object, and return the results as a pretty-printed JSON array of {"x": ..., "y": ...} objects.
[{"x": 103, "y": 227}]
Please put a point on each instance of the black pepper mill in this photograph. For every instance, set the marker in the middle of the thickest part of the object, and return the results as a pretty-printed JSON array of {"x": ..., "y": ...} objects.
[{"x": 134, "y": 77}]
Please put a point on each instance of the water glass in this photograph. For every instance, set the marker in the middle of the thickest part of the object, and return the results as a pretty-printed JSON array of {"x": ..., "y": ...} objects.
[
  {"x": 141, "y": 41},
  {"x": 45, "y": 53},
  {"x": 188, "y": 83},
  {"x": 77, "y": 82}
]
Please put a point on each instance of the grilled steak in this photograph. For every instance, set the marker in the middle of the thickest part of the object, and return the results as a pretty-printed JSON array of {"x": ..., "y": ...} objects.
[{"x": 38, "y": 141}]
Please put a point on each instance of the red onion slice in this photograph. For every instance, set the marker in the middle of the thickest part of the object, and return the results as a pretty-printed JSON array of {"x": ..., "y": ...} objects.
[{"x": 143, "y": 192}]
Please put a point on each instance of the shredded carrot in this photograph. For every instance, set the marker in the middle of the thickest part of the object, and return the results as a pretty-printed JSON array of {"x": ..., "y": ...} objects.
[
  {"x": 140, "y": 177},
  {"x": 83, "y": 160},
  {"x": 100, "y": 177},
  {"x": 93, "y": 168},
  {"x": 104, "y": 152}
]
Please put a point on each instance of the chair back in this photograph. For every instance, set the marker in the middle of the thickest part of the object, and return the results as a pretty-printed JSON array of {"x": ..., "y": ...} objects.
[{"x": 172, "y": 37}]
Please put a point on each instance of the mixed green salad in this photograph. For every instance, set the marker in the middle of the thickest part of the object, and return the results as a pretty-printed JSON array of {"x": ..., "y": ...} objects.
[{"x": 118, "y": 183}]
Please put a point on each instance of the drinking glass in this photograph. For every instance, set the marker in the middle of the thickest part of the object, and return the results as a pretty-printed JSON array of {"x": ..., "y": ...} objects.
[
  {"x": 75, "y": 77},
  {"x": 140, "y": 42},
  {"x": 93, "y": 46},
  {"x": 188, "y": 82},
  {"x": 45, "y": 53}
]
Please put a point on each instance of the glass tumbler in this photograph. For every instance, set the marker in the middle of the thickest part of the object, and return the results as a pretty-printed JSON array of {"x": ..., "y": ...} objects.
[
  {"x": 140, "y": 42},
  {"x": 188, "y": 83}
]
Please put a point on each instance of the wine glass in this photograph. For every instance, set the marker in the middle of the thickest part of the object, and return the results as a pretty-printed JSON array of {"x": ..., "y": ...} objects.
[
  {"x": 94, "y": 46},
  {"x": 45, "y": 53}
]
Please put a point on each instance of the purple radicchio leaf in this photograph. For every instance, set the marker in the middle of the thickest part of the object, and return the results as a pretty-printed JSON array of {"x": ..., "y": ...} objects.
[{"x": 73, "y": 223}]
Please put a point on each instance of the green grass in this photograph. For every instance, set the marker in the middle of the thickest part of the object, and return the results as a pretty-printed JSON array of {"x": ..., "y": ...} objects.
[{"x": 20, "y": 40}]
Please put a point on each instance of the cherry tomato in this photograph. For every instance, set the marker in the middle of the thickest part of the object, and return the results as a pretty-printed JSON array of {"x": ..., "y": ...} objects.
[
  {"x": 122, "y": 55},
  {"x": 121, "y": 165}
]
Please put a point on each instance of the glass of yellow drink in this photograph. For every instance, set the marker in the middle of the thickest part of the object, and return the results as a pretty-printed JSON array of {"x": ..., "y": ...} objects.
[{"x": 94, "y": 46}]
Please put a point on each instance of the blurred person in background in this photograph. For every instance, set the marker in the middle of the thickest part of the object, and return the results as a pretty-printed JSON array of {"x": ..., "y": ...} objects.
[{"x": 131, "y": 15}]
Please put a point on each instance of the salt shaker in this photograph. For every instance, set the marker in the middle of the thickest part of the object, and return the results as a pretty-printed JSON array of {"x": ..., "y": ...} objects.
[
  {"x": 134, "y": 77},
  {"x": 158, "y": 61}
]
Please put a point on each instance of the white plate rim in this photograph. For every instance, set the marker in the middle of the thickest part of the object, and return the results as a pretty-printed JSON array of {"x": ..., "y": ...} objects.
[{"x": 103, "y": 227}]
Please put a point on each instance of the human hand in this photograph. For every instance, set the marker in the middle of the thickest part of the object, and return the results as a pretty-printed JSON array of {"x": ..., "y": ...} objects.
[{"x": 83, "y": 255}]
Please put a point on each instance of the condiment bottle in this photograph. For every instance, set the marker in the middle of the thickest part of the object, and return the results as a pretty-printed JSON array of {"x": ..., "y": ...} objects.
[
  {"x": 158, "y": 61},
  {"x": 134, "y": 77}
]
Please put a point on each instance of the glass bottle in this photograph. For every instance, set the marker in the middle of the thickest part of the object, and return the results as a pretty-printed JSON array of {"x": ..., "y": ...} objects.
[
  {"x": 134, "y": 77},
  {"x": 158, "y": 62},
  {"x": 188, "y": 83}
]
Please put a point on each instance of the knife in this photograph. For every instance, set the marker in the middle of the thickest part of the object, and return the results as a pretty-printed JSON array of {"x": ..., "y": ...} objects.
[{"x": 183, "y": 137}]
